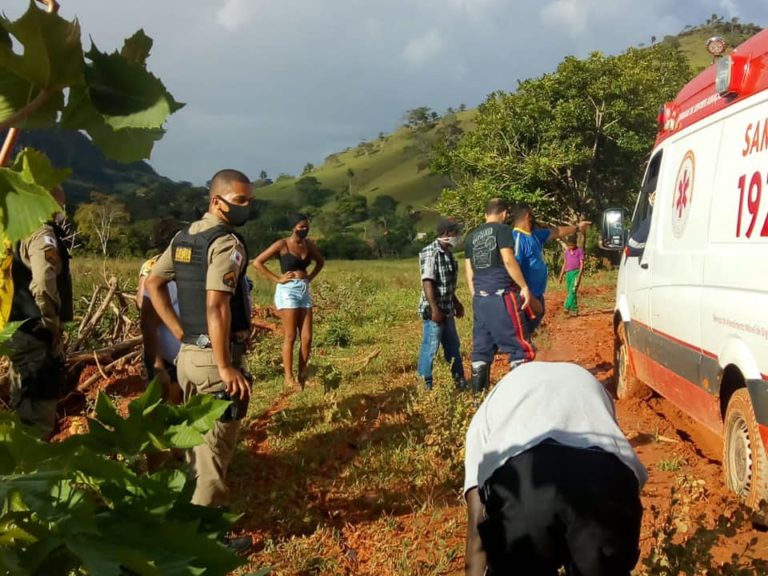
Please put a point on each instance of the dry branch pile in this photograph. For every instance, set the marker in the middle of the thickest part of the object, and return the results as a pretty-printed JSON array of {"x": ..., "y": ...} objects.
[
  {"x": 111, "y": 319},
  {"x": 108, "y": 334}
]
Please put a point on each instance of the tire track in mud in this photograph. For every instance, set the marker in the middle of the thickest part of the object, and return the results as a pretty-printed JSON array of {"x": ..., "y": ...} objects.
[{"x": 683, "y": 458}]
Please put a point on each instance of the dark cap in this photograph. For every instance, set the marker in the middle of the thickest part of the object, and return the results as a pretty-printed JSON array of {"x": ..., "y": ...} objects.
[{"x": 447, "y": 225}]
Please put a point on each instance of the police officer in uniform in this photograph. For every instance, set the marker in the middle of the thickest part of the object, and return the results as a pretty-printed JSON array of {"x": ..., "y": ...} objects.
[
  {"x": 42, "y": 300},
  {"x": 208, "y": 261}
]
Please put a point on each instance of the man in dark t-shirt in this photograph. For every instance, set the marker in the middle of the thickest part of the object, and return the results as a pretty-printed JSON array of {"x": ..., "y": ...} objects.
[{"x": 499, "y": 295}]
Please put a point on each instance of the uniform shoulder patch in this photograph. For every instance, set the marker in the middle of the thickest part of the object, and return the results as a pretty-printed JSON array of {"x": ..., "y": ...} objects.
[
  {"x": 229, "y": 279},
  {"x": 182, "y": 254},
  {"x": 236, "y": 257}
]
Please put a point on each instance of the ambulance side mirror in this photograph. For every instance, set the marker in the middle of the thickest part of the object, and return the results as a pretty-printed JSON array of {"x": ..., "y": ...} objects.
[{"x": 612, "y": 235}]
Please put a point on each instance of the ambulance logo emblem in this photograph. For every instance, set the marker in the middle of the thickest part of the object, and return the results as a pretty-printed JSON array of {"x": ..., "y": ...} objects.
[{"x": 683, "y": 193}]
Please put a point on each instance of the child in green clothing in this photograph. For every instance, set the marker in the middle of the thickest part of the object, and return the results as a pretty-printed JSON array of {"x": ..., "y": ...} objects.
[{"x": 573, "y": 266}]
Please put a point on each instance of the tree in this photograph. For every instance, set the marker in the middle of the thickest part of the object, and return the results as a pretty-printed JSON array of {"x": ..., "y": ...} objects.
[
  {"x": 568, "y": 143},
  {"x": 350, "y": 178},
  {"x": 310, "y": 192},
  {"x": 394, "y": 237},
  {"x": 383, "y": 206},
  {"x": 351, "y": 208},
  {"x": 99, "y": 221},
  {"x": 419, "y": 117},
  {"x": 308, "y": 167}
]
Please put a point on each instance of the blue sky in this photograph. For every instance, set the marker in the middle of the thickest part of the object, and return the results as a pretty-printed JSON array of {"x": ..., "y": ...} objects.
[{"x": 273, "y": 84}]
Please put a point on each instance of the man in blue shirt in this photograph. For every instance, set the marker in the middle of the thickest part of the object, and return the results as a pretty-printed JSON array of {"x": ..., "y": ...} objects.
[
  {"x": 500, "y": 295},
  {"x": 529, "y": 245}
]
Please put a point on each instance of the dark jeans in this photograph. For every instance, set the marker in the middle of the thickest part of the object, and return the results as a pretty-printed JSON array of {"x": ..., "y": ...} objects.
[{"x": 553, "y": 506}]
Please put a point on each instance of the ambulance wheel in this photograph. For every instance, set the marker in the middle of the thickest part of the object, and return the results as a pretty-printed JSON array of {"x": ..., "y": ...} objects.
[
  {"x": 627, "y": 384},
  {"x": 744, "y": 458}
]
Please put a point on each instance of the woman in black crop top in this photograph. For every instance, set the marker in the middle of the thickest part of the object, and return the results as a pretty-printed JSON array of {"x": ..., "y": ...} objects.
[{"x": 293, "y": 299}]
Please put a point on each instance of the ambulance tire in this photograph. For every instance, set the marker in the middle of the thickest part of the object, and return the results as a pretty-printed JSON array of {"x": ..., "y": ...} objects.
[
  {"x": 744, "y": 458},
  {"x": 627, "y": 384}
]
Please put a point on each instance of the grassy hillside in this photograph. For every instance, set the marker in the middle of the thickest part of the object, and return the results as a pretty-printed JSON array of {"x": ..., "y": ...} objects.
[
  {"x": 693, "y": 41},
  {"x": 394, "y": 165}
]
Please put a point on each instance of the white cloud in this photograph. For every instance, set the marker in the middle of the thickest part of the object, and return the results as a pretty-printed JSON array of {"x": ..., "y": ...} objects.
[
  {"x": 474, "y": 8},
  {"x": 235, "y": 13},
  {"x": 574, "y": 17},
  {"x": 730, "y": 8},
  {"x": 565, "y": 15},
  {"x": 424, "y": 48}
]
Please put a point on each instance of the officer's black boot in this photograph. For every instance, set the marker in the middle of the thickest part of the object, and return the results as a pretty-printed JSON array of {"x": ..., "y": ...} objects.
[{"x": 480, "y": 374}]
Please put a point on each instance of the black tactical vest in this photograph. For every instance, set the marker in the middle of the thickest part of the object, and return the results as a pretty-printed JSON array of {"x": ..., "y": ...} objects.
[
  {"x": 190, "y": 264},
  {"x": 24, "y": 306}
]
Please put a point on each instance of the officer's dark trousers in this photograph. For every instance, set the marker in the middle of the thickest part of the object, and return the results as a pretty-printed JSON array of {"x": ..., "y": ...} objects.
[
  {"x": 30, "y": 369},
  {"x": 498, "y": 324},
  {"x": 555, "y": 505}
]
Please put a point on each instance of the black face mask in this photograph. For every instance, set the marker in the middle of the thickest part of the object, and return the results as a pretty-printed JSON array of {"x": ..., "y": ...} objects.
[
  {"x": 302, "y": 233},
  {"x": 236, "y": 215}
]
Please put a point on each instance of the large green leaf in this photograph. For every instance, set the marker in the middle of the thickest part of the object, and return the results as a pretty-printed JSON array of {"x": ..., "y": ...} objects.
[
  {"x": 126, "y": 94},
  {"x": 136, "y": 48},
  {"x": 35, "y": 166},
  {"x": 5, "y": 335},
  {"x": 106, "y": 411},
  {"x": 127, "y": 145},
  {"x": 24, "y": 194},
  {"x": 24, "y": 206},
  {"x": 16, "y": 93},
  {"x": 79, "y": 112},
  {"x": 53, "y": 55},
  {"x": 149, "y": 400},
  {"x": 97, "y": 557}
]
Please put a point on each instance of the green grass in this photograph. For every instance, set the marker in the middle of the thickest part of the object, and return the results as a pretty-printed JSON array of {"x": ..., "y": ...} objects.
[
  {"x": 694, "y": 44},
  {"x": 373, "y": 468}
]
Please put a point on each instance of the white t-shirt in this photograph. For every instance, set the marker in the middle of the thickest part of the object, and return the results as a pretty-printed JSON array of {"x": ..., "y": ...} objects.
[{"x": 541, "y": 400}]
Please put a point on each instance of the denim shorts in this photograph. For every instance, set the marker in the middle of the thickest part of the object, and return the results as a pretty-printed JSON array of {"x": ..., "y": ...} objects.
[{"x": 293, "y": 294}]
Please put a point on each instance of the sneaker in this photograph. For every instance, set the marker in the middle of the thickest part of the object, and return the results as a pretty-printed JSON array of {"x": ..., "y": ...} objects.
[{"x": 238, "y": 545}]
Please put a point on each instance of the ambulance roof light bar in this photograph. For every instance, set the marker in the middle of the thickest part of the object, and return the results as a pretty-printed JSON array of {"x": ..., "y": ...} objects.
[
  {"x": 730, "y": 70},
  {"x": 730, "y": 74}
]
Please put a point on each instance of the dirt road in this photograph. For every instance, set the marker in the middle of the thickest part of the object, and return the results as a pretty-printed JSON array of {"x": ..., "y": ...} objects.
[{"x": 680, "y": 454}]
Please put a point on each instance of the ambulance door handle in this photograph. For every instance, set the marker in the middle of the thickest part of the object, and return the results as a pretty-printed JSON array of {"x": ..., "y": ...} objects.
[{"x": 644, "y": 265}]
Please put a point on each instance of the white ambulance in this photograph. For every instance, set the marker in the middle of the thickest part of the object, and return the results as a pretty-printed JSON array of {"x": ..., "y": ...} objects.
[{"x": 691, "y": 314}]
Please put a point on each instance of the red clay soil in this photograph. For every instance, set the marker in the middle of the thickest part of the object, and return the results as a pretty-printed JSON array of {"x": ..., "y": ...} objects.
[
  {"x": 663, "y": 437},
  {"x": 661, "y": 434}
]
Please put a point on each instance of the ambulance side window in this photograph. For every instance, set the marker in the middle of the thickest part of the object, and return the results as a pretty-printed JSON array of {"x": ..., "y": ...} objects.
[
  {"x": 645, "y": 208},
  {"x": 641, "y": 221}
]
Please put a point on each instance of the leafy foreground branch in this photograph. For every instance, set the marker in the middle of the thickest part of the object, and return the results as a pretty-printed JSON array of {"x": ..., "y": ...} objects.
[
  {"x": 47, "y": 80},
  {"x": 88, "y": 505}
]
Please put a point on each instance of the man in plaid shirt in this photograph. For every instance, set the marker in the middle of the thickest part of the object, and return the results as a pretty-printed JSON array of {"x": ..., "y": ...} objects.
[{"x": 438, "y": 305}]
